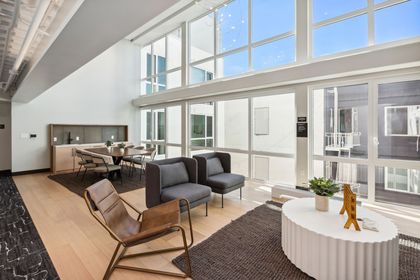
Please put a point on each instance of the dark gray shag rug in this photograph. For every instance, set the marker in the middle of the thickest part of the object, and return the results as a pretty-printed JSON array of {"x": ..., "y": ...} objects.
[
  {"x": 22, "y": 253},
  {"x": 250, "y": 248},
  {"x": 75, "y": 184}
]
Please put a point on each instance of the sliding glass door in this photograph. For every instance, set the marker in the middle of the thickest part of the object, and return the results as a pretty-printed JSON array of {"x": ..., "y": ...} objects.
[{"x": 397, "y": 170}]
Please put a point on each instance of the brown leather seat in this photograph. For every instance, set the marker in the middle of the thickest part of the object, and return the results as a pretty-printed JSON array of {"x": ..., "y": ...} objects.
[{"x": 156, "y": 222}]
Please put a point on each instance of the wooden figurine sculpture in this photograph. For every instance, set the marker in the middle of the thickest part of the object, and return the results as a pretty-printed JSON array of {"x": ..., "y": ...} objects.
[{"x": 349, "y": 205}]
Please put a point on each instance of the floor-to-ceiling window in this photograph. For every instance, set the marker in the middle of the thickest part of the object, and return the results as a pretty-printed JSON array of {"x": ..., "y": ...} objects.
[
  {"x": 340, "y": 134},
  {"x": 153, "y": 130},
  {"x": 258, "y": 132},
  {"x": 368, "y": 135},
  {"x": 397, "y": 177}
]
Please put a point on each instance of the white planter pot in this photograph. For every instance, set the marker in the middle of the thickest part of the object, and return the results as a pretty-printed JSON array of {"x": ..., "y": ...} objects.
[
  {"x": 109, "y": 148},
  {"x": 122, "y": 150},
  {"x": 321, "y": 203}
]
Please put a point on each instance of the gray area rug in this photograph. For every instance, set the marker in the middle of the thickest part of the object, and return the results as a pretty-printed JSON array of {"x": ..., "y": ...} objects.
[
  {"x": 250, "y": 248},
  {"x": 22, "y": 253},
  {"x": 75, "y": 184}
]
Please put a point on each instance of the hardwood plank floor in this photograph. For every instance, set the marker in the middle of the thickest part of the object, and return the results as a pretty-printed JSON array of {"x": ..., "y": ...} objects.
[{"x": 81, "y": 249}]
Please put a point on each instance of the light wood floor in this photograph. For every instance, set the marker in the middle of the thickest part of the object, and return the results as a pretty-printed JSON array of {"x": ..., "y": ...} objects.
[{"x": 81, "y": 249}]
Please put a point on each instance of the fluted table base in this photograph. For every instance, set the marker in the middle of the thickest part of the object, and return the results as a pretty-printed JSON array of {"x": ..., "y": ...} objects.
[{"x": 328, "y": 251}]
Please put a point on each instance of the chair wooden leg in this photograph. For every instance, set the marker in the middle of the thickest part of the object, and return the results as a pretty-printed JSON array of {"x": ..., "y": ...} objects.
[
  {"x": 187, "y": 255},
  {"x": 111, "y": 263},
  {"x": 207, "y": 208},
  {"x": 240, "y": 193},
  {"x": 222, "y": 200}
]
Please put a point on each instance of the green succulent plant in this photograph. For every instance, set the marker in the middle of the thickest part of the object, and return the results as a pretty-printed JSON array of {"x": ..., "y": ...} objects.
[
  {"x": 323, "y": 187},
  {"x": 121, "y": 145}
]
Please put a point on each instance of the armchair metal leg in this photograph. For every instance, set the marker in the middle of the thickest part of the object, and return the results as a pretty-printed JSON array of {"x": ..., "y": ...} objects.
[
  {"x": 240, "y": 193},
  {"x": 77, "y": 174},
  {"x": 84, "y": 173},
  {"x": 222, "y": 200}
]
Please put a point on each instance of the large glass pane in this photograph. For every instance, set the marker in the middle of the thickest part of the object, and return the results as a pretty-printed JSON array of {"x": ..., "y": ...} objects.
[
  {"x": 339, "y": 119},
  {"x": 159, "y": 53},
  {"x": 344, "y": 173},
  {"x": 173, "y": 151},
  {"x": 202, "y": 38},
  {"x": 232, "y": 124},
  {"x": 272, "y": 17},
  {"x": 325, "y": 9},
  {"x": 233, "y": 64},
  {"x": 275, "y": 170},
  {"x": 239, "y": 163},
  {"x": 146, "y": 62},
  {"x": 173, "y": 79},
  {"x": 399, "y": 120},
  {"x": 397, "y": 22},
  {"x": 159, "y": 123},
  {"x": 274, "y": 124},
  {"x": 398, "y": 185},
  {"x": 201, "y": 124},
  {"x": 174, "y": 49},
  {"x": 232, "y": 26},
  {"x": 174, "y": 124},
  {"x": 274, "y": 54},
  {"x": 146, "y": 124},
  {"x": 202, "y": 72},
  {"x": 341, "y": 36}
]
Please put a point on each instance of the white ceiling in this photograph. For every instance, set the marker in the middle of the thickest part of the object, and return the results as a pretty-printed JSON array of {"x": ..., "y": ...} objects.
[{"x": 93, "y": 28}]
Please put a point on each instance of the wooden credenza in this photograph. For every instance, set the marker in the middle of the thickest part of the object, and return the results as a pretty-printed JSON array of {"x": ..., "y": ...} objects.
[{"x": 63, "y": 157}]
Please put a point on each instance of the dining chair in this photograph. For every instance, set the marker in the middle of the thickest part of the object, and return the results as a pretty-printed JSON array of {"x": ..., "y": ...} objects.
[
  {"x": 145, "y": 159},
  {"x": 128, "y": 160},
  {"x": 103, "y": 167},
  {"x": 151, "y": 224}
]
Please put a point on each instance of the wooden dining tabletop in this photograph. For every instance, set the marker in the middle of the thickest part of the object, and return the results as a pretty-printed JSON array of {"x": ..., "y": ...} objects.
[{"x": 117, "y": 152}]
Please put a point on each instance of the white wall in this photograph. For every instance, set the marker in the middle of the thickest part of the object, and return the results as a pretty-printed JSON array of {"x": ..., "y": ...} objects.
[
  {"x": 5, "y": 138},
  {"x": 100, "y": 92}
]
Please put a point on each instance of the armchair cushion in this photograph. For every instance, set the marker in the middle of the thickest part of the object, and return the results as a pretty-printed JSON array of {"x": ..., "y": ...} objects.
[
  {"x": 225, "y": 181},
  {"x": 214, "y": 166},
  {"x": 173, "y": 174},
  {"x": 191, "y": 192}
]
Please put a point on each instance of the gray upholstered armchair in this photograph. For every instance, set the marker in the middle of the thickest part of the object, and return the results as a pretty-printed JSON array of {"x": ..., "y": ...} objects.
[
  {"x": 214, "y": 171},
  {"x": 175, "y": 178}
]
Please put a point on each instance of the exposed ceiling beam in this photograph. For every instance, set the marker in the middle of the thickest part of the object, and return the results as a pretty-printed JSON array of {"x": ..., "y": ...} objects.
[{"x": 94, "y": 27}]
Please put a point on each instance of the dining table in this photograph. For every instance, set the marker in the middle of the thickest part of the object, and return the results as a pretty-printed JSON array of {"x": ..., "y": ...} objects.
[{"x": 118, "y": 154}]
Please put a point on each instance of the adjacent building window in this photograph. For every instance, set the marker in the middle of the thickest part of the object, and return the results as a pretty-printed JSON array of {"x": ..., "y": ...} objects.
[
  {"x": 201, "y": 124},
  {"x": 161, "y": 64}
]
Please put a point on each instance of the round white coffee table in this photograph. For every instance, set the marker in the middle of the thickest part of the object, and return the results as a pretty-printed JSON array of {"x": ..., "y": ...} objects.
[{"x": 318, "y": 244}]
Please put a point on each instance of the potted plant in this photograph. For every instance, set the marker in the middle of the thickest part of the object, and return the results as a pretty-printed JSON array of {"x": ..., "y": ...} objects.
[
  {"x": 121, "y": 146},
  {"x": 323, "y": 189},
  {"x": 108, "y": 144}
]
